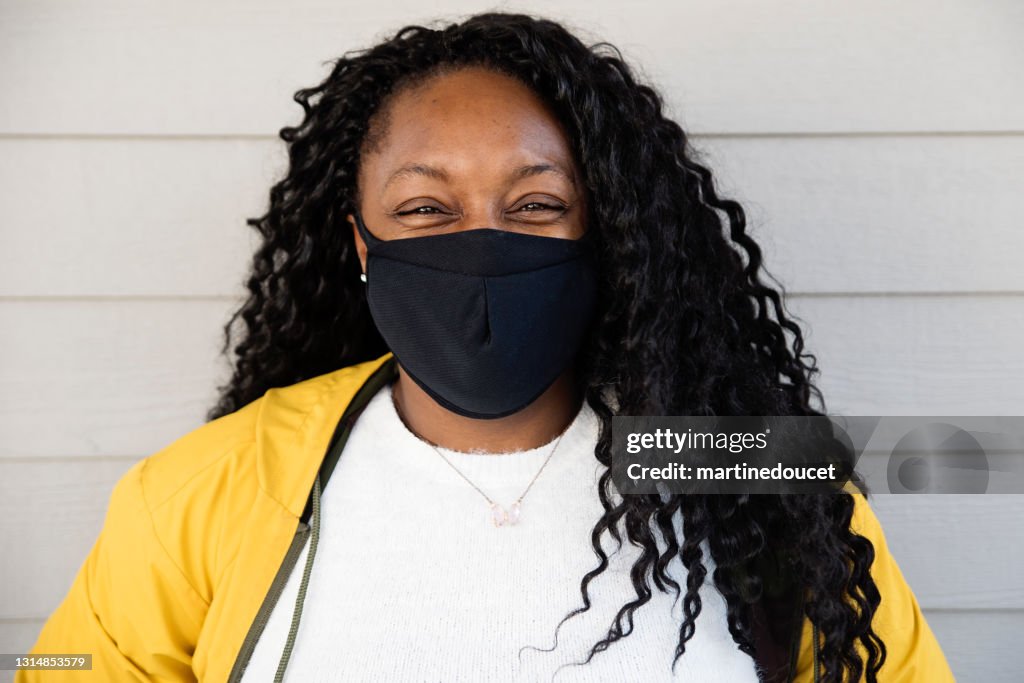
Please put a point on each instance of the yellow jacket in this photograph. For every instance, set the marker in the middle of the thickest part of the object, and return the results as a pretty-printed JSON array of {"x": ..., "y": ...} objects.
[{"x": 201, "y": 535}]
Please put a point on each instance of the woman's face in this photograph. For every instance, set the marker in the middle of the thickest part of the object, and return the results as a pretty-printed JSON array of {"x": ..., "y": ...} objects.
[{"x": 466, "y": 150}]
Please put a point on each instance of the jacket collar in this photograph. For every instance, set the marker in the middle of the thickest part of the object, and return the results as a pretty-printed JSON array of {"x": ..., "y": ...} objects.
[{"x": 294, "y": 426}]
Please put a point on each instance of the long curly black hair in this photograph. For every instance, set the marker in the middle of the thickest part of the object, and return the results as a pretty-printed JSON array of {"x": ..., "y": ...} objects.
[{"x": 686, "y": 323}]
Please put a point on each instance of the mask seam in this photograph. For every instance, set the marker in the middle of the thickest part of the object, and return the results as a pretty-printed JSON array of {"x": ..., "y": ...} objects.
[{"x": 487, "y": 313}]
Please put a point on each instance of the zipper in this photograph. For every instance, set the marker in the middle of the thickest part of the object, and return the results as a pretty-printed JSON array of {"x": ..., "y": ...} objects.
[{"x": 263, "y": 616}]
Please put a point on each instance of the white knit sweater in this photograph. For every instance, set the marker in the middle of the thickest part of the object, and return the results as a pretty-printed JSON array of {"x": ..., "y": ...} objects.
[{"x": 413, "y": 582}]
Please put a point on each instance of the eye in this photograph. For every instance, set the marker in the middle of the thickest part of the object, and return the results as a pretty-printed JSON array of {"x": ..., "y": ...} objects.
[
  {"x": 420, "y": 211},
  {"x": 540, "y": 206}
]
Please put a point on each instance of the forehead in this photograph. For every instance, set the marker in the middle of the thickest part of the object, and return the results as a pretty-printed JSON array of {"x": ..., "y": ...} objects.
[{"x": 469, "y": 116}]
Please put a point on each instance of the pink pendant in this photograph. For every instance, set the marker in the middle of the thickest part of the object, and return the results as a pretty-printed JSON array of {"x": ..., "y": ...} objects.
[
  {"x": 498, "y": 514},
  {"x": 513, "y": 513}
]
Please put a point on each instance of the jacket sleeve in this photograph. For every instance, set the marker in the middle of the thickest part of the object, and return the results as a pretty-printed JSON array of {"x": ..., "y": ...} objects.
[
  {"x": 913, "y": 654},
  {"x": 130, "y": 606}
]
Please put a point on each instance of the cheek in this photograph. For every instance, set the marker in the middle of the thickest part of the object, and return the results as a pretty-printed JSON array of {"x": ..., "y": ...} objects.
[{"x": 576, "y": 226}]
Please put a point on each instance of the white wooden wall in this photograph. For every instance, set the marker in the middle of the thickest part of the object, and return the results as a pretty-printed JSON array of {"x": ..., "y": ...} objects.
[{"x": 878, "y": 148}]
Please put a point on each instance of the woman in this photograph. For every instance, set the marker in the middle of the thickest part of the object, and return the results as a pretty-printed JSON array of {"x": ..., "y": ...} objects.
[{"x": 489, "y": 241}]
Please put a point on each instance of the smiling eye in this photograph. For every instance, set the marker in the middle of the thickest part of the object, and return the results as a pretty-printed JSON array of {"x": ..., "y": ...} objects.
[
  {"x": 542, "y": 207},
  {"x": 419, "y": 211}
]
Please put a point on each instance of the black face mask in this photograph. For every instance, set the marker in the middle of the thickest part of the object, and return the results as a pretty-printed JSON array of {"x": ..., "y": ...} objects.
[{"x": 484, "y": 320}]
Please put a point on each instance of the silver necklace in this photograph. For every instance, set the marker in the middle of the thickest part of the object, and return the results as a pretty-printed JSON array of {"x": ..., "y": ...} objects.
[{"x": 499, "y": 515}]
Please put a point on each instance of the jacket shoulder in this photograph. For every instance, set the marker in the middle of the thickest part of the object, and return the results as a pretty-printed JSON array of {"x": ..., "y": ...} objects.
[
  {"x": 166, "y": 471},
  {"x": 200, "y": 490},
  {"x": 198, "y": 452}
]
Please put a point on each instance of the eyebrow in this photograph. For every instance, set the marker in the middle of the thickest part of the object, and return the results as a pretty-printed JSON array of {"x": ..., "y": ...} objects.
[
  {"x": 416, "y": 170},
  {"x": 440, "y": 174},
  {"x": 537, "y": 169}
]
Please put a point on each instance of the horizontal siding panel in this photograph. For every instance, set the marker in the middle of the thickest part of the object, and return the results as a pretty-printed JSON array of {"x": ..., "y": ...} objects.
[
  {"x": 944, "y": 547},
  {"x": 917, "y": 355},
  {"x": 167, "y": 217},
  {"x": 106, "y": 378},
  {"x": 884, "y": 214},
  {"x": 55, "y": 510},
  {"x": 102, "y": 217},
  {"x": 980, "y": 645},
  {"x": 121, "y": 67},
  {"x": 127, "y": 377}
]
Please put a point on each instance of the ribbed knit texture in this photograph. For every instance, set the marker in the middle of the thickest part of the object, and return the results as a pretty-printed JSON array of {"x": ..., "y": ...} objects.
[{"x": 412, "y": 581}]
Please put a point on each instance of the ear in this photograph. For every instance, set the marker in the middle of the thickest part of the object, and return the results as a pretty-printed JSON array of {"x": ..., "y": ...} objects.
[{"x": 358, "y": 239}]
